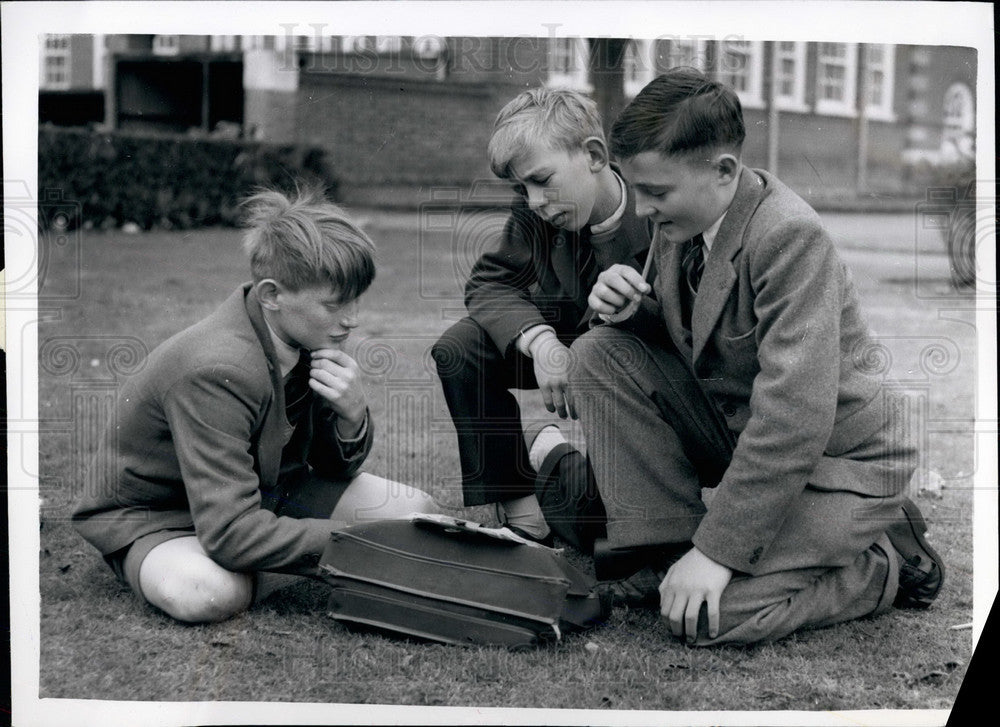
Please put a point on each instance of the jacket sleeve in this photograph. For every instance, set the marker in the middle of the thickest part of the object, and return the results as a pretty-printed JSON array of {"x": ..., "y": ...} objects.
[
  {"x": 498, "y": 292},
  {"x": 329, "y": 455},
  {"x": 799, "y": 285},
  {"x": 211, "y": 412}
]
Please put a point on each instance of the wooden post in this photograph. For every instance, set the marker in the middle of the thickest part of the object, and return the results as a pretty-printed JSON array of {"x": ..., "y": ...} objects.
[
  {"x": 861, "y": 182},
  {"x": 773, "y": 135},
  {"x": 204, "y": 95}
]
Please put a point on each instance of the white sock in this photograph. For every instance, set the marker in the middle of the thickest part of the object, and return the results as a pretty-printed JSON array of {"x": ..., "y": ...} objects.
[
  {"x": 526, "y": 513},
  {"x": 548, "y": 438}
]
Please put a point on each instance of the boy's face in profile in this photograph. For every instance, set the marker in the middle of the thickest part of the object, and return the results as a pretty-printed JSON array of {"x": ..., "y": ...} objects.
[
  {"x": 313, "y": 317},
  {"x": 559, "y": 184},
  {"x": 685, "y": 195}
]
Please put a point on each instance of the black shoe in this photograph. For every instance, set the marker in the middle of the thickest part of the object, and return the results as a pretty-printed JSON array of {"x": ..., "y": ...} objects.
[
  {"x": 639, "y": 590},
  {"x": 638, "y": 572},
  {"x": 921, "y": 570}
]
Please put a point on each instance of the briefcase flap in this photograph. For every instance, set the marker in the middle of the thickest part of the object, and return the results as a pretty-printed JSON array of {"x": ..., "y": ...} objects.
[{"x": 454, "y": 565}]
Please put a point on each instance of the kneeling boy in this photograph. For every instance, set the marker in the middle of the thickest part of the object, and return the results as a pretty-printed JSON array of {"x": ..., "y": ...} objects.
[
  {"x": 745, "y": 375},
  {"x": 237, "y": 449}
]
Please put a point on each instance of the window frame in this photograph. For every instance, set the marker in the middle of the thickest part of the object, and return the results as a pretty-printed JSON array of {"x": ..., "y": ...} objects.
[
  {"x": 797, "y": 100},
  {"x": 577, "y": 77},
  {"x": 884, "y": 110},
  {"x": 848, "y": 106},
  {"x": 752, "y": 97}
]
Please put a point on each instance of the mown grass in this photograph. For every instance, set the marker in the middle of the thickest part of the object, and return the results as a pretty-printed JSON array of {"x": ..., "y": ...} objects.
[{"x": 99, "y": 642}]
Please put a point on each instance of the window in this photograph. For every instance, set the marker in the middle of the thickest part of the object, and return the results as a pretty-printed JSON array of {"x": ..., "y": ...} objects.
[
  {"x": 166, "y": 45},
  {"x": 879, "y": 67},
  {"x": 790, "y": 75},
  {"x": 688, "y": 52},
  {"x": 568, "y": 61},
  {"x": 638, "y": 65},
  {"x": 741, "y": 68},
  {"x": 836, "y": 68},
  {"x": 55, "y": 62},
  {"x": 428, "y": 46},
  {"x": 225, "y": 43},
  {"x": 959, "y": 120}
]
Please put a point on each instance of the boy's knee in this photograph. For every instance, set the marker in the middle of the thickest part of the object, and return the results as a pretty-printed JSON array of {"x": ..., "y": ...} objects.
[
  {"x": 198, "y": 594},
  {"x": 602, "y": 351},
  {"x": 456, "y": 346}
]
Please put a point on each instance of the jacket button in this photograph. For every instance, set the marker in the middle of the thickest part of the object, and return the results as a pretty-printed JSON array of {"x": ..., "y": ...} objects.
[
  {"x": 756, "y": 555},
  {"x": 728, "y": 409}
]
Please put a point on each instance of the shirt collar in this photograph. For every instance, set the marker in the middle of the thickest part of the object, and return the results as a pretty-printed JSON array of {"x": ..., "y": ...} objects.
[
  {"x": 287, "y": 355},
  {"x": 709, "y": 234},
  {"x": 617, "y": 215}
]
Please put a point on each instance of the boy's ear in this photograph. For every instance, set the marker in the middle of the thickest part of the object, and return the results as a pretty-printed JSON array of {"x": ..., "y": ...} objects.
[
  {"x": 597, "y": 151},
  {"x": 728, "y": 167},
  {"x": 267, "y": 293}
]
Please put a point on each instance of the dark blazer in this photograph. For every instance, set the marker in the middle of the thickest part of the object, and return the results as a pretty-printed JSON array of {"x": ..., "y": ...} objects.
[
  {"x": 543, "y": 274},
  {"x": 197, "y": 440},
  {"x": 779, "y": 345}
]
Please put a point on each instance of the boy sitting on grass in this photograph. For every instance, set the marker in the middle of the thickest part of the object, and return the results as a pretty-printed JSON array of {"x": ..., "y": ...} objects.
[
  {"x": 745, "y": 374},
  {"x": 236, "y": 451},
  {"x": 527, "y": 301}
]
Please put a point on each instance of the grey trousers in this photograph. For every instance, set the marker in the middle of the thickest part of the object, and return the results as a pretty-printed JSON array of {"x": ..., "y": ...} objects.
[{"x": 655, "y": 441}]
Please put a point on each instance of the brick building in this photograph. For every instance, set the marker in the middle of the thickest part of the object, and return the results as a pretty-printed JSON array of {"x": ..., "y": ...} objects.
[{"x": 402, "y": 115}]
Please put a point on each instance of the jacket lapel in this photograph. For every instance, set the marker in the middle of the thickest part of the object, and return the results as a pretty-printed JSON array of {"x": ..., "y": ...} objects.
[
  {"x": 667, "y": 261},
  {"x": 271, "y": 434},
  {"x": 720, "y": 275}
]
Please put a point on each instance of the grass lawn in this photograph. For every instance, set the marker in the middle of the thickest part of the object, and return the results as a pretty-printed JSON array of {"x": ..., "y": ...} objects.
[{"x": 129, "y": 292}]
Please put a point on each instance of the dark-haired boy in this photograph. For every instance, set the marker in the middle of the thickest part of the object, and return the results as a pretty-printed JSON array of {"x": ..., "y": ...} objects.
[
  {"x": 527, "y": 301},
  {"x": 745, "y": 375},
  {"x": 236, "y": 450}
]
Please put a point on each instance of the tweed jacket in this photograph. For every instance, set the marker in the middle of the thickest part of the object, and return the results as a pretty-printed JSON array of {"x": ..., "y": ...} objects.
[
  {"x": 197, "y": 440},
  {"x": 542, "y": 274},
  {"x": 779, "y": 345}
]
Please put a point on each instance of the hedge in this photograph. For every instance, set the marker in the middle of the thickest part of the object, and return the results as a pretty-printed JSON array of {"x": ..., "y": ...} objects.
[{"x": 158, "y": 180}]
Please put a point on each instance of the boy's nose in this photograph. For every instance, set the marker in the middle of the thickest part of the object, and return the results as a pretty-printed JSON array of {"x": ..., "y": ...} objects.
[
  {"x": 536, "y": 198},
  {"x": 643, "y": 205}
]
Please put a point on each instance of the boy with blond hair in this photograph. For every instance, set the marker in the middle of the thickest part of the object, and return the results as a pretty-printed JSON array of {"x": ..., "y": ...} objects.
[
  {"x": 527, "y": 301},
  {"x": 237, "y": 449},
  {"x": 746, "y": 375}
]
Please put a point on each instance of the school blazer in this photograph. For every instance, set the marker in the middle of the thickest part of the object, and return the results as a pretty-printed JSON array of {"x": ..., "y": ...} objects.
[
  {"x": 779, "y": 345},
  {"x": 197, "y": 439},
  {"x": 542, "y": 274}
]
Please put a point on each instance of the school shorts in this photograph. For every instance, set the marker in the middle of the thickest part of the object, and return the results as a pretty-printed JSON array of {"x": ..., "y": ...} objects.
[{"x": 309, "y": 497}]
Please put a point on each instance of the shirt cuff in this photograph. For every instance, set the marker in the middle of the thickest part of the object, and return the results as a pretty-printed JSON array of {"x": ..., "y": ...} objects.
[
  {"x": 527, "y": 337},
  {"x": 354, "y": 441}
]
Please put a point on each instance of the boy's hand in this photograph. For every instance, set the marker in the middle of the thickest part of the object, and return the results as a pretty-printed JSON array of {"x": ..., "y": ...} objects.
[
  {"x": 615, "y": 288},
  {"x": 335, "y": 376},
  {"x": 551, "y": 359},
  {"x": 691, "y": 581}
]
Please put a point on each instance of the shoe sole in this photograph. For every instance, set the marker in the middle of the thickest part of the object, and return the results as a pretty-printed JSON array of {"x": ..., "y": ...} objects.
[{"x": 918, "y": 527}]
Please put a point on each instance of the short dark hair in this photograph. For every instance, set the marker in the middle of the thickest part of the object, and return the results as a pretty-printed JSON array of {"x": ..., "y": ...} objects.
[{"x": 680, "y": 112}]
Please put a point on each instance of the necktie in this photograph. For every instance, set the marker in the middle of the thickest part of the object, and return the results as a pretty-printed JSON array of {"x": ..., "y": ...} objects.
[
  {"x": 694, "y": 263},
  {"x": 692, "y": 266},
  {"x": 297, "y": 391}
]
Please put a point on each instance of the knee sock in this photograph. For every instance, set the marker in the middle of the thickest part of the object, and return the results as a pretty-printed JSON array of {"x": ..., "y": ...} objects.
[
  {"x": 548, "y": 438},
  {"x": 526, "y": 514}
]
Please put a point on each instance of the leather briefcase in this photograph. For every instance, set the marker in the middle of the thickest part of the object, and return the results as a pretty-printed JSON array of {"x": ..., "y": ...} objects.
[{"x": 454, "y": 581}]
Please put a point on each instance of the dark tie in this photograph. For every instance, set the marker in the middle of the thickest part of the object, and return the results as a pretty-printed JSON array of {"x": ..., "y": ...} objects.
[
  {"x": 297, "y": 391},
  {"x": 692, "y": 266}
]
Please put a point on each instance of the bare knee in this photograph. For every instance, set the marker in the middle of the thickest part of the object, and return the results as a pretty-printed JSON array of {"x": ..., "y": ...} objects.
[
  {"x": 194, "y": 599},
  {"x": 195, "y": 590}
]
